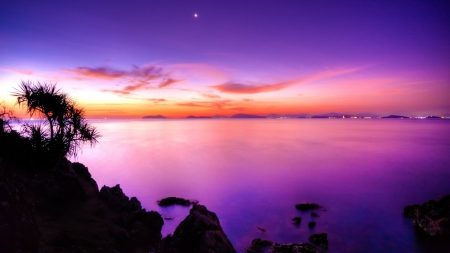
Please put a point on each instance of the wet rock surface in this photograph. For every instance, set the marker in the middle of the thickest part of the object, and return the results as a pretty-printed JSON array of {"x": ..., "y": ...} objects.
[
  {"x": 431, "y": 218},
  {"x": 307, "y": 206},
  {"x": 260, "y": 246},
  {"x": 199, "y": 232},
  {"x": 293, "y": 248},
  {"x": 320, "y": 239},
  {"x": 311, "y": 224},
  {"x": 175, "y": 201},
  {"x": 297, "y": 220}
]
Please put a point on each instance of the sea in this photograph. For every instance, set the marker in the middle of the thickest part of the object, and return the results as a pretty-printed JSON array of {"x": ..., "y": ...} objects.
[{"x": 252, "y": 173}]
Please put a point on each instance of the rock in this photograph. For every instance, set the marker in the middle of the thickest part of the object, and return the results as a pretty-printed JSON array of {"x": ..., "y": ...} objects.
[
  {"x": 199, "y": 232},
  {"x": 293, "y": 248},
  {"x": 261, "y": 229},
  {"x": 432, "y": 217},
  {"x": 320, "y": 239},
  {"x": 117, "y": 200},
  {"x": 19, "y": 231},
  {"x": 258, "y": 245},
  {"x": 311, "y": 224},
  {"x": 81, "y": 170},
  {"x": 307, "y": 206},
  {"x": 174, "y": 201},
  {"x": 297, "y": 220},
  {"x": 314, "y": 215}
]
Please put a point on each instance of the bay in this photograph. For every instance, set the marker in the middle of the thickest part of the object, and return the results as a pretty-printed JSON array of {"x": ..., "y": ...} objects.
[{"x": 252, "y": 172}]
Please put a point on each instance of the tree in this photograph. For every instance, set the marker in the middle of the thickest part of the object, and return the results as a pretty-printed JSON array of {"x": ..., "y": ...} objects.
[
  {"x": 6, "y": 116},
  {"x": 63, "y": 128}
]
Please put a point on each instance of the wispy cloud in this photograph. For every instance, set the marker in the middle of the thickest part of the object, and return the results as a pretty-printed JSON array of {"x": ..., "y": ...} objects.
[
  {"x": 169, "y": 81},
  {"x": 219, "y": 104},
  {"x": 250, "y": 88},
  {"x": 20, "y": 71},
  {"x": 247, "y": 99},
  {"x": 208, "y": 95},
  {"x": 138, "y": 78},
  {"x": 145, "y": 73},
  {"x": 157, "y": 100}
]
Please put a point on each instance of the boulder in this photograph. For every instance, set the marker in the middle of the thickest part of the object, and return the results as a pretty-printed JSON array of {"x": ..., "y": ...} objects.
[
  {"x": 320, "y": 239},
  {"x": 311, "y": 224},
  {"x": 258, "y": 245},
  {"x": 432, "y": 217},
  {"x": 116, "y": 199},
  {"x": 307, "y": 206},
  {"x": 174, "y": 201},
  {"x": 293, "y": 248},
  {"x": 199, "y": 232},
  {"x": 297, "y": 220}
]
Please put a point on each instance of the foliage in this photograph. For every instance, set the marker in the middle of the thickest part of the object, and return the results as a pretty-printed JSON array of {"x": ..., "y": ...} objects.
[
  {"x": 6, "y": 117},
  {"x": 62, "y": 129}
]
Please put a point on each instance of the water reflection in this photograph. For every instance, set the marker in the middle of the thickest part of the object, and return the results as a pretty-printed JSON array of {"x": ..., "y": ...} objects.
[{"x": 252, "y": 173}]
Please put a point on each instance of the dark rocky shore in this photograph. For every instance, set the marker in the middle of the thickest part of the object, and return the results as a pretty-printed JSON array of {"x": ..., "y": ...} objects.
[
  {"x": 432, "y": 218},
  {"x": 64, "y": 211}
]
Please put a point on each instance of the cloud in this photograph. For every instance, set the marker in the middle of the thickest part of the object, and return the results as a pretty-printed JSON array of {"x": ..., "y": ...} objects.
[
  {"x": 139, "y": 78},
  {"x": 20, "y": 71},
  {"x": 207, "y": 95},
  {"x": 247, "y": 99},
  {"x": 242, "y": 88},
  {"x": 145, "y": 73},
  {"x": 145, "y": 77},
  {"x": 157, "y": 100},
  {"x": 169, "y": 81},
  {"x": 213, "y": 104}
]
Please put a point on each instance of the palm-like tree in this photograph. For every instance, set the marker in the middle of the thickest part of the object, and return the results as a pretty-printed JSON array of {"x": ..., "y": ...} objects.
[{"x": 65, "y": 129}]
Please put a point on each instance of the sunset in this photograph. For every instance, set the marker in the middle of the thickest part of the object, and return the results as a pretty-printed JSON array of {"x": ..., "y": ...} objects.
[
  {"x": 206, "y": 58},
  {"x": 224, "y": 126}
]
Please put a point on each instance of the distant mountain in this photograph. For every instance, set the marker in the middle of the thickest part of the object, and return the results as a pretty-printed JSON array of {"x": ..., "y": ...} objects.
[
  {"x": 198, "y": 117},
  {"x": 366, "y": 114},
  {"x": 330, "y": 114},
  {"x": 395, "y": 117},
  {"x": 300, "y": 115},
  {"x": 219, "y": 117},
  {"x": 247, "y": 116},
  {"x": 154, "y": 117}
]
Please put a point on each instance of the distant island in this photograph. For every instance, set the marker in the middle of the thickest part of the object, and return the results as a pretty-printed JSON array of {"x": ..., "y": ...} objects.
[
  {"x": 395, "y": 117},
  {"x": 197, "y": 117},
  {"x": 247, "y": 116},
  {"x": 154, "y": 117},
  {"x": 331, "y": 115}
]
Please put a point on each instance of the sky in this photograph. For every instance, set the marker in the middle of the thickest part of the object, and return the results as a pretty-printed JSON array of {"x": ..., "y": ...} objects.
[{"x": 129, "y": 59}]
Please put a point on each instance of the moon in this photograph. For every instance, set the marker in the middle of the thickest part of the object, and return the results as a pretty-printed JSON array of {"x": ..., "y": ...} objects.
[{"x": 195, "y": 15}]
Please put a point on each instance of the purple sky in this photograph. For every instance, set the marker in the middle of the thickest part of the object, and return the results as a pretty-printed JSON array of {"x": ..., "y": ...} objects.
[{"x": 136, "y": 58}]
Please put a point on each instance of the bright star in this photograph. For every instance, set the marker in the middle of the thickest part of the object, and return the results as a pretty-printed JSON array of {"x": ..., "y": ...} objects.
[{"x": 195, "y": 15}]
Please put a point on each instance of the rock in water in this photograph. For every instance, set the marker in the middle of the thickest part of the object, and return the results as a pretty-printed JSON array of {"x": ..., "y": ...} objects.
[
  {"x": 293, "y": 248},
  {"x": 258, "y": 245},
  {"x": 297, "y": 220},
  {"x": 432, "y": 217},
  {"x": 199, "y": 232},
  {"x": 307, "y": 206},
  {"x": 174, "y": 201},
  {"x": 320, "y": 239},
  {"x": 311, "y": 224}
]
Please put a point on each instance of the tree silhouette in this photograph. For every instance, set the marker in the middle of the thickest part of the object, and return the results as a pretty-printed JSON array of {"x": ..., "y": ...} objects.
[{"x": 63, "y": 128}]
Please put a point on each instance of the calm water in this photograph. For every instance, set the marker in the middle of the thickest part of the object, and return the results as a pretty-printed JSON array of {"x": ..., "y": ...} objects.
[{"x": 252, "y": 172}]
